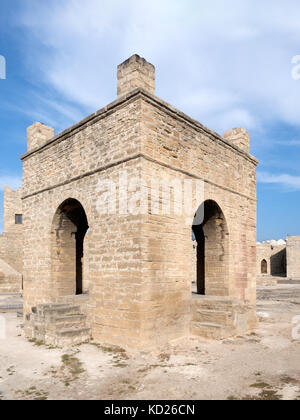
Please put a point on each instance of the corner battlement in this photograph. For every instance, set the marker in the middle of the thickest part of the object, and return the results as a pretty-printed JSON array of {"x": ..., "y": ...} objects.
[
  {"x": 37, "y": 134},
  {"x": 239, "y": 137},
  {"x": 135, "y": 73}
]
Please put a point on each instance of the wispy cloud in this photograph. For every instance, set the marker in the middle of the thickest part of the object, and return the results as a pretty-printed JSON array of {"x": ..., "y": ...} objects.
[
  {"x": 226, "y": 69},
  {"x": 288, "y": 182},
  {"x": 292, "y": 143}
]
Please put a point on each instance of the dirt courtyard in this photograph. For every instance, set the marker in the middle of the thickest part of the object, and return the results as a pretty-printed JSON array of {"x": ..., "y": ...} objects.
[{"x": 261, "y": 365}]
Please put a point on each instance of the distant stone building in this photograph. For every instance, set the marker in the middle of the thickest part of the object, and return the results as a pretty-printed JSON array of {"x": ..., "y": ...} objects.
[
  {"x": 11, "y": 242},
  {"x": 271, "y": 259},
  {"x": 278, "y": 260},
  {"x": 124, "y": 276}
]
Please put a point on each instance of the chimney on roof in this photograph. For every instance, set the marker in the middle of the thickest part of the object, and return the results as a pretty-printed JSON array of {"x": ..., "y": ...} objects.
[
  {"x": 135, "y": 73},
  {"x": 37, "y": 135},
  {"x": 239, "y": 137}
]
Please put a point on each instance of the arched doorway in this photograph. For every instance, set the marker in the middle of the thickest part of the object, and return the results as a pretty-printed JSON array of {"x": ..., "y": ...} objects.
[
  {"x": 212, "y": 250},
  {"x": 69, "y": 228},
  {"x": 264, "y": 267}
]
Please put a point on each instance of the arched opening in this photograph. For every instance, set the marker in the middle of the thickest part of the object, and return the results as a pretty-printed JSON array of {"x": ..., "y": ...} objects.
[
  {"x": 69, "y": 228},
  {"x": 264, "y": 267},
  {"x": 212, "y": 250}
]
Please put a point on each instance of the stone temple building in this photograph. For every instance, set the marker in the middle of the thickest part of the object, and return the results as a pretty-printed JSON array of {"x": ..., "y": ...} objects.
[
  {"x": 11, "y": 242},
  {"x": 101, "y": 261}
]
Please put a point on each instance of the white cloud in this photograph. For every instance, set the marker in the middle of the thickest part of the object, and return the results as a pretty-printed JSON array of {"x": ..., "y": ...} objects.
[
  {"x": 289, "y": 182},
  {"x": 226, "y": 62}
]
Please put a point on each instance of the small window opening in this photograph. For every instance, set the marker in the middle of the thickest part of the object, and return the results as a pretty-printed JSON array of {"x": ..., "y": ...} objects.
[{"x": 19, "y": 219}]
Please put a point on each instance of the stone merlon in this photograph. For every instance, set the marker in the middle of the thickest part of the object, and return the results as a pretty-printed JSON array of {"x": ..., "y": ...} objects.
[
  {"x": 38, "y": 134},
  {"x": 135, "y": 73},
  {"x": 239, "y": 137}
]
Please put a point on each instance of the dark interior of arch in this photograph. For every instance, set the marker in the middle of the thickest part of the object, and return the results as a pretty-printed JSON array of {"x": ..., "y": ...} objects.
[
  {"x": 211, "y": 248},
  {"x": 72, "y": 216},
  {"x": 264, "y": 267}
]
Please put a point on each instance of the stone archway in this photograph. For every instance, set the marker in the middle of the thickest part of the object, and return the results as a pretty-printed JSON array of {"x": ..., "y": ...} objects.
[
  {"x": 69, "y": 228},
  {"x": 212, "y": 250}
]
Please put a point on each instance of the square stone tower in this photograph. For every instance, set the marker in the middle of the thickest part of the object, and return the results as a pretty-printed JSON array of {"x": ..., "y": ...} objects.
[{"x": 109, "y": 220}]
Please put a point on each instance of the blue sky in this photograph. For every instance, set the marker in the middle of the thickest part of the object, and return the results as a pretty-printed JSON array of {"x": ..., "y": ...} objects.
[{"x": 225, "y": 63}]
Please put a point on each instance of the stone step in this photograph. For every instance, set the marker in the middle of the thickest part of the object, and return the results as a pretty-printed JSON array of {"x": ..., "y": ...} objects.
[
  {"x": 212, "y": 316},
  {"x": 67, "y": 322},
  {"x": 266, "y": 283},
  {"x": 8, "y": 289},
  {"x": 210, "y": 330},
  {"x": 59, "y": 325},
  {"x": 55, "y": 310},
  {"x": 215, "y": 303},
  {"x": 72, "y": 336},
  {"x": 11, "y": 307},
  {"x": 287, "y": 281}
]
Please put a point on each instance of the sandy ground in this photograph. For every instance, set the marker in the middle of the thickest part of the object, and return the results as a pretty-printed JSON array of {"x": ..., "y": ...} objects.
[{"x": 261, "y": 365}]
